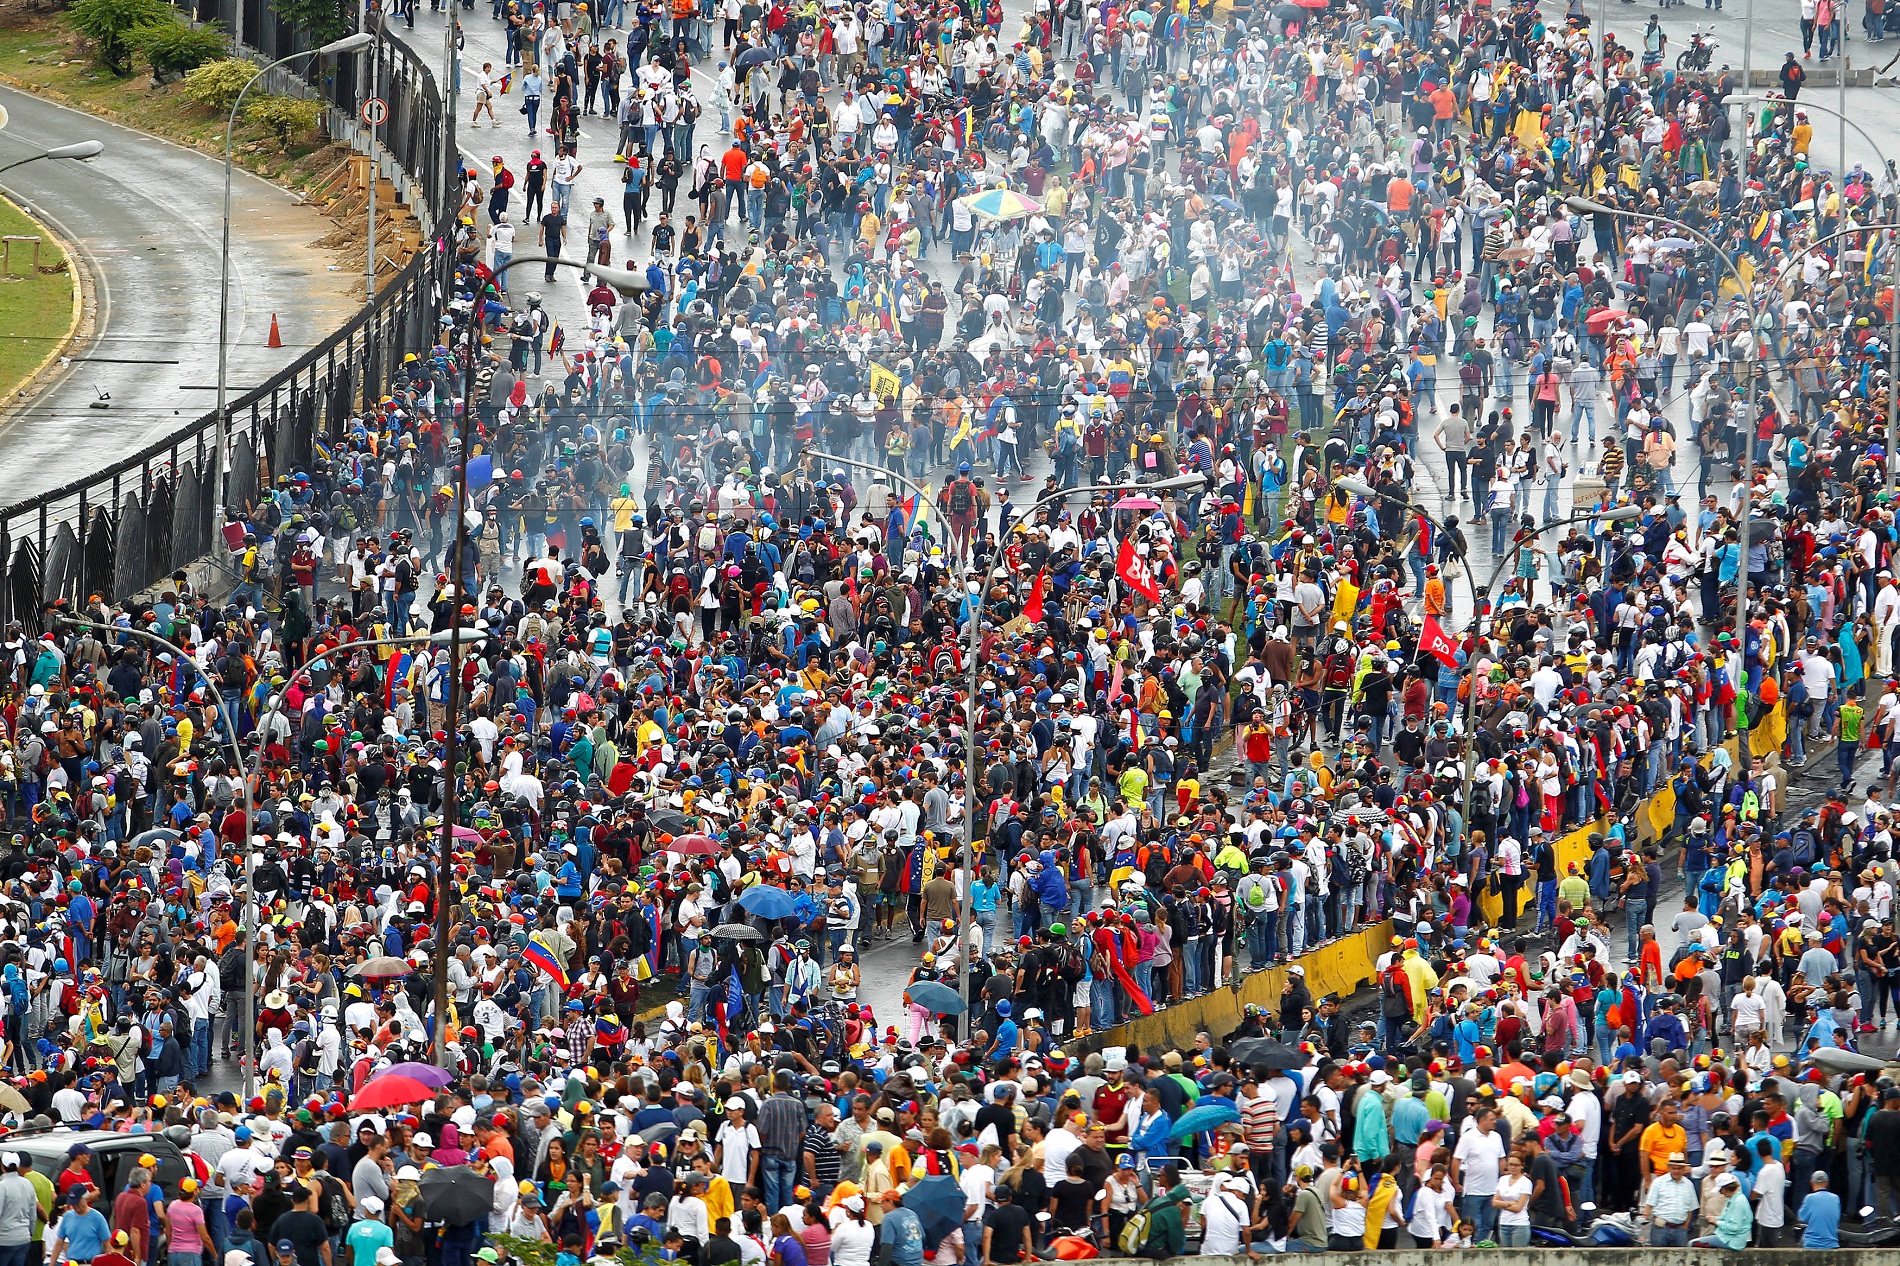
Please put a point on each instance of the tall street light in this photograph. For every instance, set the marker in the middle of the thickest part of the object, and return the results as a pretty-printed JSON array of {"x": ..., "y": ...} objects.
[
  {"x": 1587, "y": 206},
  {"x": 81, "y": 150},
  {"x": 254, "y": 770},
  {"x": 1612, "y": 514},
  {"x": 246, "y": 773},
  {"x": 1360, "y": 488},
  {"x": 1893, "y": 318},
  {"x": 626, "y": 283},
  {"x": 971, "y": 657},
  {"x": 348, "y": 44}
]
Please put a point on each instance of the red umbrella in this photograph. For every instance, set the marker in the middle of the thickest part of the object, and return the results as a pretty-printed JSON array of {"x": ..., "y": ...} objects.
[
  {"x": 694, "y": 845},
  {"x": 391, "y": 1091},
  {"x": 1603, "y": 318},
  {"x": 1312, "y": 4}
]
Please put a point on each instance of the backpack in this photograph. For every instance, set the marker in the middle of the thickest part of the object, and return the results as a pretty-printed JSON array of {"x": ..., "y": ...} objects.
[
  {"x": 1071, "y": 967},
  {"x": 961, "y": 499},
  {"x": 1134, "y": 1236},
  {"x": 1394, "y": 992}
]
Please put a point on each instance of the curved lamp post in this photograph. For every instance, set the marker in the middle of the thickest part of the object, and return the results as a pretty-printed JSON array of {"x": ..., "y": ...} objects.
[
  {"x": 1612, "y": 514},
  {"x": 971, "y": 657},
  {"x": 626, "y": 283},
  {"x": 348, "y": 44},
  {"x": 80, "y": 150}
]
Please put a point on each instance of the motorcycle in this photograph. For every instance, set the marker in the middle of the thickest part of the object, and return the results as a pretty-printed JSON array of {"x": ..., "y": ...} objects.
[
  {"x": 1871, "y": 1233},
  {"x": 1701, "y": 49}
]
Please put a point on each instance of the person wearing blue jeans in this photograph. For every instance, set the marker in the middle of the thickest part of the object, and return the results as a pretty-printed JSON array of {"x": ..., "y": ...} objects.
[{"x": 1478, "y": 1163}]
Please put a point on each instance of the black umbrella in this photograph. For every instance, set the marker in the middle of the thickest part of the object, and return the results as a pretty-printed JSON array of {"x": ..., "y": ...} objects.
[
  {"x": 1265, "y": 1050},
  {"x": 750, "y": 58},
  {"x": 654, "y": 1133},
  {"x": 457, "y": 1196},
  {"x": 670, "y": 822},
  {"x": 1289, "y": 12}
]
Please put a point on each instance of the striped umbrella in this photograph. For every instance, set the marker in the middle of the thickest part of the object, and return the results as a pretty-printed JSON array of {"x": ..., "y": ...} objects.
[{"x": 1000, "y": 204}]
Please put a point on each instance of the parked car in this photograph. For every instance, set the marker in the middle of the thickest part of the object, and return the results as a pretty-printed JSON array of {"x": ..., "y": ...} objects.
[{"x": 114, "y": 1156}]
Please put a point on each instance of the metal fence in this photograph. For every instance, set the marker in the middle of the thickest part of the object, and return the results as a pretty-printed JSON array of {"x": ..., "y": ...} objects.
[{"x": 130, "y": 526}]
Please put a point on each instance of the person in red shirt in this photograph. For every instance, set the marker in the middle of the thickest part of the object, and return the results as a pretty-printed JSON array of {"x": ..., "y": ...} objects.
[
  {"x": 78, "y": 1171},
  {"x": 132, "y": 1215}
]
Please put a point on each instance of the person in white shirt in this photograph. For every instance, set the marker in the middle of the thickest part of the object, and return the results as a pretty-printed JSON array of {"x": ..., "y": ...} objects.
[
  {"x": 1226, "y": 1215},
  {"x": 734, "y": 1145}
]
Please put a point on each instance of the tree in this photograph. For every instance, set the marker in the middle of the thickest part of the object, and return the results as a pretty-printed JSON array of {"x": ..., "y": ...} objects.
[
  {"x": 320, "y": 20},
  {"x": 109, "y": 24},
  {"x": 173, "y": 47}
]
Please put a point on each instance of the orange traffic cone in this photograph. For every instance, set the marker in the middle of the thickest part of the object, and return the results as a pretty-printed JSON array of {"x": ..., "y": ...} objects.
[{"x": 275, "y": 339}]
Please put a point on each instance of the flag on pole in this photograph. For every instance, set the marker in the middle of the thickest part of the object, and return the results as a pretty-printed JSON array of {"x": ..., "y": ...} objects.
[
  {"x": 1134, "y": 571},
  {"x": 1032, "y": 610},
  {"x": 1434, "y": 641}
]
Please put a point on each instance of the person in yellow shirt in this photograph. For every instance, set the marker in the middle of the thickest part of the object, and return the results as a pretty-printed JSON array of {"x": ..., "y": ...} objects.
[
  {"x": 1803, "y": 134},
  {"x": 1662, "y": 1138}
]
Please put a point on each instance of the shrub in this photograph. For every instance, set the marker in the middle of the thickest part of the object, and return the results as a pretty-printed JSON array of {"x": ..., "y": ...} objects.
[
  {"x": 288, "y": 117},
  {"x": 218, "y": 83},
  {"x": 109, "y": 24},
  {"x": 173, "y": 48}
]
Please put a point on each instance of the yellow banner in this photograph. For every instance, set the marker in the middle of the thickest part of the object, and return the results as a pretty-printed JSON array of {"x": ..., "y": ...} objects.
[{"x": 885, "y": 384}]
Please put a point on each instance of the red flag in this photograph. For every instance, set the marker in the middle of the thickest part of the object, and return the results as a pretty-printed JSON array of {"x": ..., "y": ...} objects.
[
  {"x": 1135, "y": 572},
  {"x": 1434, "y": 641},
  {"x": 1032, "y": 610}
]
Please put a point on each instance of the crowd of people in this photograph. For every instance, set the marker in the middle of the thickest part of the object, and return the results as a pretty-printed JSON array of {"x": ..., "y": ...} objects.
[{"x": 765, "y": 611}]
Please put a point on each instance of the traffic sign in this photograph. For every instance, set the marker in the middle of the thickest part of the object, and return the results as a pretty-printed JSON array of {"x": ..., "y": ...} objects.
[{"x": 375, "y": 111}]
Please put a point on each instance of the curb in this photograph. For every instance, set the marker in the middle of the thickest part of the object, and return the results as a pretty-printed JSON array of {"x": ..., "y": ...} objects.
[{"x": 84, "y": 285}]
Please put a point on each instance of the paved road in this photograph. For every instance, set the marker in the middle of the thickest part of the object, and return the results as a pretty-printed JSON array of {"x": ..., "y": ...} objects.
[{"x": 146, "y": 216}]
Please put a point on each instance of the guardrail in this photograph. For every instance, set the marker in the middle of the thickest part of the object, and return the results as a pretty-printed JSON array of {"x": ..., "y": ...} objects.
[{"x": 127, "y": 527}]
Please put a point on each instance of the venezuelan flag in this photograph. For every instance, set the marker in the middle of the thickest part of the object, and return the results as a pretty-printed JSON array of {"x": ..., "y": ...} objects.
[
  {"x": 396, "y": 672},
  {"x": 539, "y": 955}
]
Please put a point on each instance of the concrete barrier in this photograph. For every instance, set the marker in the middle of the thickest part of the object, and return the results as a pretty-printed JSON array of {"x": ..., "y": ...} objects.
[
  {"x": 1346, "y": 965},
  {"x": 1563, "y": 1257}
]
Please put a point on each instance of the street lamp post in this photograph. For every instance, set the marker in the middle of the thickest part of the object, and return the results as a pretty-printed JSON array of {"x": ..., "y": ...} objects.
[
  {"x": 250, "y": 816},
  {"x": 1587, "y": 206},
  {"x": 276, "y": 706},
  {"x": 971, "y": 658},
  {"x": 246, "y": 772},
  {"x": 81, "y": 150},
  {"x": 1893, "y": 320},
  {"x": 626, "y": 283},
  {"x": 348, "y": 44},
  {"x": 1612, "y": 514},
  {"x": 1360, "y": 488}
]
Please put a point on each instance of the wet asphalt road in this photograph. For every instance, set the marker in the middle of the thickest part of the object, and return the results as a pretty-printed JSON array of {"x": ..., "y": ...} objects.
[{"x": 146, "y": 216}]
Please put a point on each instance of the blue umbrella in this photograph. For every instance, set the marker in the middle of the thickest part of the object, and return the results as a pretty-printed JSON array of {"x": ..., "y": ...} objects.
[
  {"x": 767, "y": 902},
  {"x": 937, "y": 998},
  {"x": 1205, "y": 1117},
  {"x": 938, "y": 1203}
]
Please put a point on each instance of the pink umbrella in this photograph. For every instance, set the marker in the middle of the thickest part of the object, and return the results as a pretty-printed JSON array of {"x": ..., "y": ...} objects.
[
  {"x": 468, "y": 834},
  {"x": 695, "y": 845},
  {"x": 1132, "y": 502}
]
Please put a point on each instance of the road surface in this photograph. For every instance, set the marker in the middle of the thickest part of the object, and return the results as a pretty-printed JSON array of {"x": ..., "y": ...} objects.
[{"x": 146, "y": 217}]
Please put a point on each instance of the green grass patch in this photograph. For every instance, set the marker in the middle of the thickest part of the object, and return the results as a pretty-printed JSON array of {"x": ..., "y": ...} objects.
[
  {"x": 36, "y": 304},
  {"x": 48, "y": 57}
]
